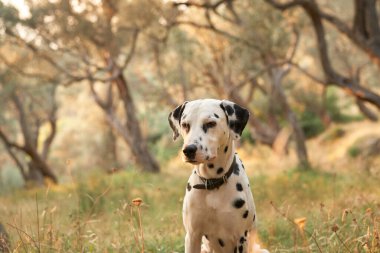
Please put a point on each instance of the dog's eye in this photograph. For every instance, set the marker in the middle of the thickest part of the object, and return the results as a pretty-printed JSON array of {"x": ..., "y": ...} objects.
[
  {"x": 209, "y": 124},
  {"x": 186, "y": 127}
]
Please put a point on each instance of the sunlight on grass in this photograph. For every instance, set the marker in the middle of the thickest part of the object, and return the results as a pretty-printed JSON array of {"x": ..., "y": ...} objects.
[{"x": 97, "y": 214}]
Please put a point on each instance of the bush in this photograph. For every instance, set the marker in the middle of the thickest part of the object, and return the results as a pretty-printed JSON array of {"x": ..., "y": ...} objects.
[
  {"x": 311, "y": 124},
  {"x": 354, "y": 151},
  {"x": 335, "y": 110}
]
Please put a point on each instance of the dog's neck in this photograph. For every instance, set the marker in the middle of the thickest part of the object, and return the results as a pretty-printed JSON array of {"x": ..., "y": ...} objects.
[{"x": 221, "y": 164}]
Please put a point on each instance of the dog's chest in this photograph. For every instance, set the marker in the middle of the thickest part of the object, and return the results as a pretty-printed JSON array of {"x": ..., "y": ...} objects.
[{"x": 228, "y": 209}]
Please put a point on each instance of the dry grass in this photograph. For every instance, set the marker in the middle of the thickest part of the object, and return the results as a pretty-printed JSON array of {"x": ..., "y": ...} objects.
[{"x": 328, "y": 209}]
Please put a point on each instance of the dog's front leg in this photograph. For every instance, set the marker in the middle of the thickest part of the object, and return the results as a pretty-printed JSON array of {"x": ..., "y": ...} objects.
[{"x": 193, "y": 243}]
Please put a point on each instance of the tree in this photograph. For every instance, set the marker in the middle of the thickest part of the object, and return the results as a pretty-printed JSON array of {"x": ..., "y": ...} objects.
[
  {"x": 364, "y": 33},
  {"x": 243, "y": 52},
  {"x": 30, "y": 109},
  {"x": 96, "y": 47}
]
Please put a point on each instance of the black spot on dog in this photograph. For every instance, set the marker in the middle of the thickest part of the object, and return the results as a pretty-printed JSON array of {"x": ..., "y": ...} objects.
[
  {"x": 225, "y": 149},
  {"x": 224, "y": 110},
  {"x": 245, "y": 233},
  {"x": 220, "y": 170},
  {"x": 240, "y": 112},
  {"x": 254, "y": 217},
  {"x": 242, "y": 165},
  {"x": 229, "y": 110},
  {"x": 245, "y": 215},
  {"x": 242, "y": 116},
  {"x": 204, "y": 127},
  {"x": 242, "y": 240},
  {"x": 221, "y": 243},
  {"x": 188, "y": 187},
  {"x": 200, "y": 138},
  {"x": 239, "y": 187},
  {"x": 238, "y": 203},
  {"x": 248, "y": 185},
  {"x": 216, "y": 115},
  {"x": 208, "y": 125},
  {"x": 201, "y": 147},
  {"x": 241, "y": 249},
  {"x": 235, "y": 250},
  {"x": 235, "y": 167},
  {"x": 207, "y": 157},
  {"x": 210, "y": 165},
  {"x": 172, "y": 126},
  {"x": 236, "y": 126},
  {"x": 206, "y": 149},
  {"x": 178, "y": 111},
  {"x": 206, "y": 237}
]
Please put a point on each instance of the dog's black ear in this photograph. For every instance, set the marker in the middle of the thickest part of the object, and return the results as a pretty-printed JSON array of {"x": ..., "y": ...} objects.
[
  {"x": 175, "y": 119},
  {"x": 237, "y": 117}
]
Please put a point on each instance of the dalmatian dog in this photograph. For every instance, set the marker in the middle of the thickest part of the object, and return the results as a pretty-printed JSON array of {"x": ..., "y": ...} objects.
[{"x": 218, "y": 209}]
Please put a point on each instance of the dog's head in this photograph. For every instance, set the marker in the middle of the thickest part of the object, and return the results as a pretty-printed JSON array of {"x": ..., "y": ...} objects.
[{"x": 206, "y": 126}]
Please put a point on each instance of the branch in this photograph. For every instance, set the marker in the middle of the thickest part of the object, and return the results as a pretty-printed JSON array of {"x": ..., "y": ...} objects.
[
  {"x": 287, "y": 5},
  {"x": 332, "y": 77},
  {"x": 107, "y": 104},
  {"x": 217, "y": 31},
  {"x": 365, "y": 32},
  {"x": 131, "y": 50},
  {"x": 20, "y": 71},
  {"x": 292, "y": 51},
  {"x": 45, "y": 57},
  {"x": 205, "y": 5},
  {"x": 22, "y": 120},
  {"x": 8, "y": 146},
  {"x": 366, "y": 111},
  {"x": 308, "y": 74},
  {"x": 53, "y": 127}
]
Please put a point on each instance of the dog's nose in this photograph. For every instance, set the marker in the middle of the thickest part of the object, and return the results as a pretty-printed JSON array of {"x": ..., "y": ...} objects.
[{"x": 190, "y": 150}]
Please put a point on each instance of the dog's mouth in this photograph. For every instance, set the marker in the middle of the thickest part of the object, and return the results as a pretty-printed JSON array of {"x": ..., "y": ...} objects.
[{"x": 194, "y": 162}]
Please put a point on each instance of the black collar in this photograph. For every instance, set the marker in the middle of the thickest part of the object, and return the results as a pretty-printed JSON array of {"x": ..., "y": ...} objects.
[{"x": 212, "y": 183}]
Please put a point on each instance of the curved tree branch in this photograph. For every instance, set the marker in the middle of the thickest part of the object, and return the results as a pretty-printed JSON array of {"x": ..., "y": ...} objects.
[
  {"x": 8, "y": 146},
  {"x": 332, "y": 77}
]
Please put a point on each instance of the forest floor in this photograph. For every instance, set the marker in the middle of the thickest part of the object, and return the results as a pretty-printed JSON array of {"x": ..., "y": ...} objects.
[{"x": 332, "y": 207}]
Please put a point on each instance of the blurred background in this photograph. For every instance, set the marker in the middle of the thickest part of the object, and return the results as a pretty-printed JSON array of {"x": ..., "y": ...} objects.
[{"x": 86, "y": 87}]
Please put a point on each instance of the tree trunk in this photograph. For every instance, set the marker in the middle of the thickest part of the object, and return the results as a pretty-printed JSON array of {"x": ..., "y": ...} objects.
[
  {"x": 34, "y": 174},
  {"x": 131, "y": 132},
  {"x": 364, "y": 25},
  {"x": 110, "y": 162},
  {"x": 36, "y": 163},
  {"x": 41, "y": 165},
  {"x": 277, "y": 75}
]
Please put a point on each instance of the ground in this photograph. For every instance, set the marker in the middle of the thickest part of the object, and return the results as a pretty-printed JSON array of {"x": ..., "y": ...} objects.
[{"x": 332, "y": 207}]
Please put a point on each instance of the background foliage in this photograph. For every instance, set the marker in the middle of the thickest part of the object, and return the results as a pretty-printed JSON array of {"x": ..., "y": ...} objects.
[{"x": 86, "y": 87}]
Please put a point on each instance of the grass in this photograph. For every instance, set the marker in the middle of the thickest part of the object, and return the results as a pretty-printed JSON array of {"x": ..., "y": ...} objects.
[{"x": 309, "y": 211}]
